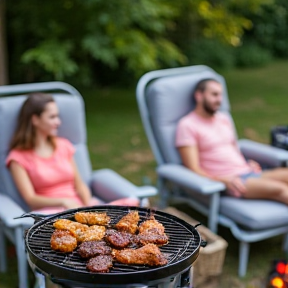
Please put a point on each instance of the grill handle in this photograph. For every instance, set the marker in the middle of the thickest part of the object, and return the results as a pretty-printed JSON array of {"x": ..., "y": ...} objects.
[
  {"x": 36, "y": 216},
  {"x": 203, "y": 243}
]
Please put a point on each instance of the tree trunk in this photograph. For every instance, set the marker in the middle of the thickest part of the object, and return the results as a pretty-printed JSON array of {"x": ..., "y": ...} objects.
[{"x": 3, "y": 51}]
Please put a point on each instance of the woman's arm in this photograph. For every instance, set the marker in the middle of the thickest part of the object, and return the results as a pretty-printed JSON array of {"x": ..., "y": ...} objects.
[
  {"x": 26, "y": 189},
  {"x": 81, "y": 188}
]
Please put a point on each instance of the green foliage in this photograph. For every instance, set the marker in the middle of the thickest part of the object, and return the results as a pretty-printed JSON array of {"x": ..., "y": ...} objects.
[
  {"x": 212, "y": 53},
  {"x": 67, "y": 35},
  {"x": 252, "y": 55},
  {"x": 81, "y": 41},
  {"x": 134, "y": 33},
  {"x": 53, "y": 57},
  {"x": 271, "y": 28}
]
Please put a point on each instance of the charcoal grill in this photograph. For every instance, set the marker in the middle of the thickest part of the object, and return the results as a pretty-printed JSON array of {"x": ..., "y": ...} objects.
[{"x": 69, "y": 270}]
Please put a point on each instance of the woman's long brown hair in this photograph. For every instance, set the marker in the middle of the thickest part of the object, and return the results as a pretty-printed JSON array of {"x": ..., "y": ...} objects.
[{"x": 24, "y": 135}]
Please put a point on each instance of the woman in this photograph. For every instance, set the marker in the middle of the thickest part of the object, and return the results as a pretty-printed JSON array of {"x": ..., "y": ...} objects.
[{"x": 42, "y": 164}]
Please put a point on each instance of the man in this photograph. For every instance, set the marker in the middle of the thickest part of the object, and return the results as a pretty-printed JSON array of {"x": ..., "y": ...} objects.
[{"x": 207, "y": 145}]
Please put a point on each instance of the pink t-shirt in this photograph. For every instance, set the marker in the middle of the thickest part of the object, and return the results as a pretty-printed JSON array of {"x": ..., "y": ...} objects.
[
  {"x": 50, "y": 177},
  {"x": 216, "y": 142}
]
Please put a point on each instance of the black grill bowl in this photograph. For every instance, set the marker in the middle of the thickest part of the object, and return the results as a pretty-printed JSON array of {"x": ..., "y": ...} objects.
[{"x": 181, "y": 251}]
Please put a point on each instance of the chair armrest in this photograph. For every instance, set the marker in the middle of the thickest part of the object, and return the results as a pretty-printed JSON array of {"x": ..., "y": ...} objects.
[
  {"x": 263, "y": 153},
  {"x": 9, "y": 210},
  {"x": 187, "y": 178},
  {"x": 109, "y": 186}
]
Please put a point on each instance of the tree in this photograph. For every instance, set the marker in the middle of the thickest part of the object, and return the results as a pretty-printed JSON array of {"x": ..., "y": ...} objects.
[
  {"x": 67, "y": 38},
  {"x": 3, "y": 52}
]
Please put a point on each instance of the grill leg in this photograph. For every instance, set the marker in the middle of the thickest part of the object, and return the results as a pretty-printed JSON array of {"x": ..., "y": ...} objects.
[
  {"x": 243, "y": 258},
  {"x": 186, "y": 279},
  {"x": 21, "y": 258},
  {"x": 3, "y": 257}
]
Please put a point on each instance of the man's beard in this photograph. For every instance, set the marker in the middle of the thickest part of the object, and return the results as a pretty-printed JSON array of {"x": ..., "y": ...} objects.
[{"x": 208, "y": 109}]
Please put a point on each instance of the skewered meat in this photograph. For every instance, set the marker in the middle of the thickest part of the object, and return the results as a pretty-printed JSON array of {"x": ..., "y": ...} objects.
[
  {"x": 92, "y": 233},
  {"x": 74, "y": 227},
  {"x": 128, "y": 223},
  {"x": 149, "y": 254},
  {"x": 63, "y": 240},
  {"x": 89, "y": 249},
  {"x": 100, "y": 264},
  {"x": 92, "y": 218},
  {"x": 118, "y": 239}
]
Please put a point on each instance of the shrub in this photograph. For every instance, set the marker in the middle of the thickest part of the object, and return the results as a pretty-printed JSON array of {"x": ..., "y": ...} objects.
[
  {"x": 210, "y": 52},
  {"x": 252, "y": 55}
]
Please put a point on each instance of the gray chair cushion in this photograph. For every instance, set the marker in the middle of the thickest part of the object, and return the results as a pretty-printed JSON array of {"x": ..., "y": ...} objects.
[
  {"x": 254, "y": 214},
  {"x": 168, "y": 101}
]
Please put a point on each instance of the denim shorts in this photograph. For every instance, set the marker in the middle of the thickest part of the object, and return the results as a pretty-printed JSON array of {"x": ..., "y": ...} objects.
[{"x": 245, "y": 176}]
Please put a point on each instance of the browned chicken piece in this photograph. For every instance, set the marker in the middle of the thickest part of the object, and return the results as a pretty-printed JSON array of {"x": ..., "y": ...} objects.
[
  {"x": 100, "y": 263},
  {"x": 129, "y": 222},
  {"x": 92, "y": 233},
  {"x": 89, "y": 249},
  {"x": 149, "y": 254},
  {"x": 92, "y": 218},
  {"x": 151, "y": 224},
  {"x": 63, "y": 241},
  {"x": 118, "y": 239},
  {"x": 150, "y": 237},
  {"x": 152, "y": 231},
  {"x": 74, "y": 227}
]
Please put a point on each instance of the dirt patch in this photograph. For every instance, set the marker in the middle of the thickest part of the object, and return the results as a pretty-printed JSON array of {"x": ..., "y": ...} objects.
[
  {"x": 100, "y": 148},
  {"x": 144, "y": 156},
  {"x": 252, "y": 134},
  {"x": 251, "y": 105}
]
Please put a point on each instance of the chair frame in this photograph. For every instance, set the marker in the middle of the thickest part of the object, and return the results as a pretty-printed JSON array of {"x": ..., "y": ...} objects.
[
  {"x": 14, "y": 229},
  {"x": 9, "y": 227},
  {"x": 213, "y": 188}
]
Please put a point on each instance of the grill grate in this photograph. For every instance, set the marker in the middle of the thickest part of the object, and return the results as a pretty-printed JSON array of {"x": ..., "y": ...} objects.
[{"x": 184, "y": 242}]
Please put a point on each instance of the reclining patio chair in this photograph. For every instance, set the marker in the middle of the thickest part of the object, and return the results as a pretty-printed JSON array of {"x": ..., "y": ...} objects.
[
  {"x": 105, "y": 183},
  {"x": 164, "y": 96}
]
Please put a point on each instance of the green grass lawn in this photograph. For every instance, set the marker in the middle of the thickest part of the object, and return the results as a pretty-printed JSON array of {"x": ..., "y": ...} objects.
[{"x": 116, "y": 140}]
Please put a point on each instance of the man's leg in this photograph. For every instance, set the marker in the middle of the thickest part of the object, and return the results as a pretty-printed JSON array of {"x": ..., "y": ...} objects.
[
  {"x": 279, "y": 174},
  {"x": 266, "y": 188}
]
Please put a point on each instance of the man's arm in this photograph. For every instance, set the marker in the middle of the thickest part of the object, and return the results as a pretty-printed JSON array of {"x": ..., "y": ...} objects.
[{"x": 190, "y": 159}]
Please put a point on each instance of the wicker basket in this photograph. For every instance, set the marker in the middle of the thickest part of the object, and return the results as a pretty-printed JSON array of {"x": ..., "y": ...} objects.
[{"x": 211, "y": 258}]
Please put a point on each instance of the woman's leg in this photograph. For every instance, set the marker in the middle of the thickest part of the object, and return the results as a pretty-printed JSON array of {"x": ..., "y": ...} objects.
[
  {"x": 125, "y": 202},
  {"x": 121, "y": 202}
]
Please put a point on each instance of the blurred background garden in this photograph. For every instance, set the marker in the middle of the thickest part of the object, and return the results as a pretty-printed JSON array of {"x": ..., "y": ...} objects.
[{"x": 103, "y": 47}]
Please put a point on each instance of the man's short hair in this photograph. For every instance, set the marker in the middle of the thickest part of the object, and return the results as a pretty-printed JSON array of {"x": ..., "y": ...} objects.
[{"x": 201, "y": 86}]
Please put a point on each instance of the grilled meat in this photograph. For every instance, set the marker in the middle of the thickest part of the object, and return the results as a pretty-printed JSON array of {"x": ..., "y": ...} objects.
[
  {"x": 89, "y": 249},
  {"x": 151, "y": 224},
  {"x": 129, "y": 222},
  {"x": 74, "y": 227},
  {"x": 150, "y": 237},
  {"x": 100, "y": 264},
  {"x": 151, "y": 231},
  {"x": 118, "y": 239},
  {"x": 149, "y": 254},
  {"x": 92, "y": 233},
  {"x": 63, "y": 241},
  {"x": 92, "y": 218}
]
